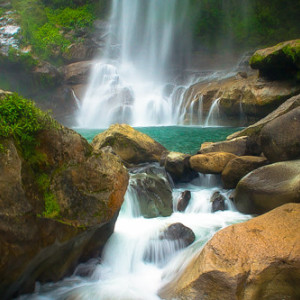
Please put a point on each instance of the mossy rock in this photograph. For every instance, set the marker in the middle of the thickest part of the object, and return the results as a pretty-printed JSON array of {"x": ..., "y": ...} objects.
[{"x": 279, "y": 62}]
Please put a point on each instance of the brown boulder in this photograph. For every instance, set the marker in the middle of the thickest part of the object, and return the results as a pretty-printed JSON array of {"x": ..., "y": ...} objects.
[
  {"x": 211, "y": 163},
  {"x": 177, "y": 165},
  {"x": 268, "y": 187},
  {"x": 58, "y": 207},
  {"x": 280, "y": 138},
  {"x": 218, "y": 202},
  {"x": 183, "y": 200},
  {"x": 246, "y": 261},
  {"x": 131, "y": 145},
  {"x": 238, "y": 167},
  {"x": 239, "y": 146}
]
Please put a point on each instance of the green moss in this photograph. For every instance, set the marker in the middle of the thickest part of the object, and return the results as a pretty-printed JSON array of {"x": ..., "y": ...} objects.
[
  {"x": 256, "y": 59},
  {"x": 52, "y": 208},
  {"x": 293, "y": 52},
  {"x": 22, "y": 120}
]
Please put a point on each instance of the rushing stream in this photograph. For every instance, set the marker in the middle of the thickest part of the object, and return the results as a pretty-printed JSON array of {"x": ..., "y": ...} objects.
[{"x": 136, "y": 262}]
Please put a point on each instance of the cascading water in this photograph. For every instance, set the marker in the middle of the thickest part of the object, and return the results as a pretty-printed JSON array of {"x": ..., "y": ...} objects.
[
  {"x": 136, "y": 261},
  {"x": 148, "y": 40}
]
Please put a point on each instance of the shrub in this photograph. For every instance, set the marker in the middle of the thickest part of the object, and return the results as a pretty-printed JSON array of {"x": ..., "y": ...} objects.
[{"x": 22, "y": 120}]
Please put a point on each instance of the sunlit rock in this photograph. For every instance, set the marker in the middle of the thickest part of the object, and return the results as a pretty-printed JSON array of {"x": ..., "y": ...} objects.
[
  {"x": 246, "y": 261},
  {"x": 131, "y": 145},
  {"x": 211, "y": 163}
]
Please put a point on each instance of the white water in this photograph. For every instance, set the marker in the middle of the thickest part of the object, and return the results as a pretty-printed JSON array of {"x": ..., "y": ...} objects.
[
  {"x": 148, "y": 40},
  {"x": 126, "y": 271}
]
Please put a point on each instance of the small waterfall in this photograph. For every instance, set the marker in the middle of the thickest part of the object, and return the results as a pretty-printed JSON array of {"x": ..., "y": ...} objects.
[
  {"x": 147, "y": 41},
  {"x": 136, "y": 261},
  {"x": 213, "y": 114}
]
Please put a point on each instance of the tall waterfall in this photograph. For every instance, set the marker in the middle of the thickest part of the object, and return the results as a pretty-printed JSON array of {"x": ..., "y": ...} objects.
[{"x": 133, "y": 82}]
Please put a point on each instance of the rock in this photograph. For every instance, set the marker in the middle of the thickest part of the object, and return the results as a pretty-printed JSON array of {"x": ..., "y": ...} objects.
[
  {"x": 80, "y": 51},
  {"x": 246, "y": 261},
  {"x": 153, "y": 191},
  {"x": 237, "y": 146},
  {"x": 3, "y": 94},
  {"x": 268, "y": 187},
  {"x": 77, "y": 73},
  {"x": 58, "y": 207},
  {"x": 278, "y": 62},
  {"x": 254, "y": 129},
  {"x": 211, "y": 163},
  {"x": 177, "y": 165},
  {"x": 131, "y": 145},
  {"x": 280, "y": 138},
  {"x": 249, "y": 99},
  {"x": 179, "y": 232},
  {"x": 239, "y": 167},
  {"x": 46, "y": 75},
  {"x": 160, "y": 250},
  {"x": 184, "y": 200},
  {"x": 218, "y": 202}
]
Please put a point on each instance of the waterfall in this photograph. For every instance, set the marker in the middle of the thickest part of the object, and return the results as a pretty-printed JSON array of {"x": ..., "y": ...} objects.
[{"x": 148, "y": 42}]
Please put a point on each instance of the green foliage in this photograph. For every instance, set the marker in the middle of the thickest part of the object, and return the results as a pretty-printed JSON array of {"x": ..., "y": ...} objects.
[
  {"x": 47, "y": 41},
  {"x": 245, "y": 24},
  {"x": 71, "y": 18},
  {"x": 52, "y": 209},
  {"x": 22, "y": 120},
  {"x": 46, "y": 28}
]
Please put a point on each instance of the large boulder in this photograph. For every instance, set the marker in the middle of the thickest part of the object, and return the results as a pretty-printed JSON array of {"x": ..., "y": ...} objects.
[
  {"x": 280, "y": 138},
  {"x": 268, "y": 187},
  {"x": 255, "y": 129},
  {"x": 177, "y": 165},
  {"x": 246, "y": 261},
  {"x": 278, "y": 62},
  {"x": 131, "y": 145},
  {"x": 211, "y": 163},
  {"x": 239, "y": 167},
  {"x": 240, "y": 146},
  {"x": 151, "y": 187},
  {"x": 58, "y": 206}
]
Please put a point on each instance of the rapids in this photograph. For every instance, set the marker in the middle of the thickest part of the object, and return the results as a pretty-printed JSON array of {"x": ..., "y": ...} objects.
[{"x": 126, "y": 271}]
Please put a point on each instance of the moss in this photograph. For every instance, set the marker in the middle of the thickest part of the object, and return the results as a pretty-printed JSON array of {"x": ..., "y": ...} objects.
[
  {"x": 256, "y": 60},
  {"x": 52, "y": 208}
]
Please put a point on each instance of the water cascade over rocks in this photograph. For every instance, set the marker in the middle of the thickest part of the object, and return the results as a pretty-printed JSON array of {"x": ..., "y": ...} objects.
[
  {"x": 131, "y": 83},
  {"x": 144, "y": 254}
]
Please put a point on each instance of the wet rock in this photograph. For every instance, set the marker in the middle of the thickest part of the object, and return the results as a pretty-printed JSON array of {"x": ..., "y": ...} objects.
[
  {"x": 153, "y": 191},
  {"x": 239, "y": 167},
  {"x": 246, "y": 261},
  {"x": 268, "y": 187},
  {"x": 131, "y": 145},
  {"x": 278, "y": 62},
  {"x": 211, "y": 163},
  {"x": 77, "y": 73},
  {"x": 280, "y": 138},
  {"x": 218, "y": 202},
  {"x": 252, "y": 98},
  {"x": 177, "y": 165},
  {"x": 179, "y": 232},
  {"x": 184, "y": 200}
]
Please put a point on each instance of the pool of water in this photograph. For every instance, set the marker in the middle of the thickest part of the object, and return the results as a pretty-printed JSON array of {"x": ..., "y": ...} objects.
[{"x": 184, "y": 139}]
